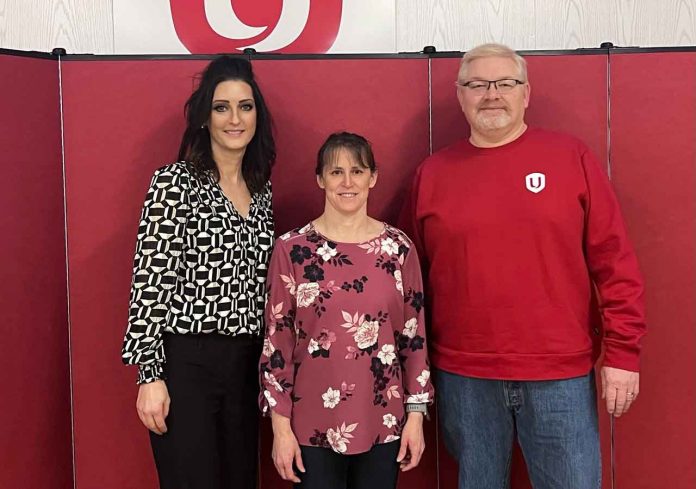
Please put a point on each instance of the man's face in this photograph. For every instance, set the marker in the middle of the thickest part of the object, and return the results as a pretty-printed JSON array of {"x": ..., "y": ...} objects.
[{"x": 491, "y": 113}]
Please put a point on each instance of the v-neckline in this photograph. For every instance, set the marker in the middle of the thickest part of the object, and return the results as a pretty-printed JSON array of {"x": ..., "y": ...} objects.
[{"x": 224, "y": 196}]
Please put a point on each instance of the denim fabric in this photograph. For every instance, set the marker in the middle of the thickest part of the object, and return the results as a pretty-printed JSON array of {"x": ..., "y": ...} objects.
[{"x": 555, "y": 422}]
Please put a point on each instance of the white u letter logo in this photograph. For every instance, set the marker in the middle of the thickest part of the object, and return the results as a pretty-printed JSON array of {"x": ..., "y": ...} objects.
[{"x": 535, "y": 182}]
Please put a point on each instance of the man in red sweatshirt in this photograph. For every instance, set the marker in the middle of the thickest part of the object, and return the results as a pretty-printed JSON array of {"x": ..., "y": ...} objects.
[{"x": 518, "y": 228}]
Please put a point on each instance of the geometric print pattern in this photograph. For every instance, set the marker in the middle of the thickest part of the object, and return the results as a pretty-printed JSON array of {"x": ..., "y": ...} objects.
[{"x": 199, "y": 266}]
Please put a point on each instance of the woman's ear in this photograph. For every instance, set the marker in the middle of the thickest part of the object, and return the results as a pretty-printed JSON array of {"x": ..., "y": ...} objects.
[
  {"x": 373, "y": 178},
  {"x": 320, "y": 181}
]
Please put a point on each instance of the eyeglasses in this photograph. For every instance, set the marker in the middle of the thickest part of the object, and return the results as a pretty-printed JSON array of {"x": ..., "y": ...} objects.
[{"x": 504, "y": 85}]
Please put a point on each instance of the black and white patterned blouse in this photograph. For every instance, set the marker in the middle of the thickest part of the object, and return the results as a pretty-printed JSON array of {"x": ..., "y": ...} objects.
[{"x": 200, "y": 267}]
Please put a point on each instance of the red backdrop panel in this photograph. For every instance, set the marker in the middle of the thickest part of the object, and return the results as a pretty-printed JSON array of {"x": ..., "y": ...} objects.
[
  {"x": 569, "y": 94},
  {"x": 653, "y": 160},
  {"x": 122, "y": 120},
  {"x": 35, "y": 439}
]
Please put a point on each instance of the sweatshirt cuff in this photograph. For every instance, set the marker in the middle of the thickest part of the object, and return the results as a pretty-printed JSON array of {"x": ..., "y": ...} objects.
[
  {"x": 617, "y": 357},
  {"x": 150, "y": 373}
]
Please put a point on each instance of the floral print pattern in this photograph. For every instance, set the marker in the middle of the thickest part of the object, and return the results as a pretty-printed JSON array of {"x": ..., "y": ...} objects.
[
  {"x": 331, "y": 398},
  {"x": 423, "y": 378},
  {"x": 386, "y": 354},
  {"x": 307, "y": 293},
  {"x": 410, "y": 328},
  {"x": 366, "y": 334},
  {"x": 345, "y": 338},
  {"x": 389, "y": 420}
]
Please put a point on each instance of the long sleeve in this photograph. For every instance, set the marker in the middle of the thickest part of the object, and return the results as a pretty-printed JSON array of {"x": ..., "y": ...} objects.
[
  {"x": 157, "y": 254},
  {"x": 411, "y": 342},
  {"x": 614, "y": 269},
  {"x": 408, "y": 218},
  {"x": 276, "y": 366}
]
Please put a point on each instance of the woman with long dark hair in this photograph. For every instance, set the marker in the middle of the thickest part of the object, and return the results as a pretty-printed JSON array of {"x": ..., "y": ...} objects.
[{"x": 198, "y": 290}]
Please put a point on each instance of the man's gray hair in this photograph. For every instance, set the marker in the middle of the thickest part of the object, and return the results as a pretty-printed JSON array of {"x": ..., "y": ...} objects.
[{"x": 492, "y": 50}]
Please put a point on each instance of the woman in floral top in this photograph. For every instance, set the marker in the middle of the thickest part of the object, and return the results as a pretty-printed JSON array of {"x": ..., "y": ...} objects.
[{"x": 344, "y": 369}]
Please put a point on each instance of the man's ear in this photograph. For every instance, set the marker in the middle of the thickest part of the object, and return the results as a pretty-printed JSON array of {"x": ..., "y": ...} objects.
[
  {"x": 527, "y": 93},
  {"x": 460, "y": 96}
]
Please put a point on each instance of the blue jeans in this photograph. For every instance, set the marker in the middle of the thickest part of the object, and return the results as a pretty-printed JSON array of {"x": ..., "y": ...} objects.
[{"x": 555, "y": 422}]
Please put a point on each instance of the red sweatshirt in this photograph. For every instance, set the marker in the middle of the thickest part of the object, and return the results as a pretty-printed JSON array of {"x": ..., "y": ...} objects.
[{"x": 513, "y": 239}]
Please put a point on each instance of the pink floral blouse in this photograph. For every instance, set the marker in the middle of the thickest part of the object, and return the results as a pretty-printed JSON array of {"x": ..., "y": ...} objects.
[{"x": 345, "y": 339}]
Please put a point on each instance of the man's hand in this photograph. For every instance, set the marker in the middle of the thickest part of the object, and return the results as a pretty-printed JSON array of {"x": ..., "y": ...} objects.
[
  {"x": 412, "y": 442},
  {"x": 620, "y": 389},
  {"x": 153, "y": 406}
]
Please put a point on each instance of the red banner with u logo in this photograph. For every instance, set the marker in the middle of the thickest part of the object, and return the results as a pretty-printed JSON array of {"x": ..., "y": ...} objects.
[{"x": 277, "y": 26}]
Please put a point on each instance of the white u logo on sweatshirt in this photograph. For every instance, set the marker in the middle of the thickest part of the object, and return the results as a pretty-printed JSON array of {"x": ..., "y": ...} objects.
[{"x": 535, "y": 182}]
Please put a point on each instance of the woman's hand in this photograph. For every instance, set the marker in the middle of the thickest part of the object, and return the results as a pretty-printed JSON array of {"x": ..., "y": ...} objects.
[
  {"x": 153, "y": 406},
  {"x": 412, "y": 442},
  {"x": 286, "y": 450}
]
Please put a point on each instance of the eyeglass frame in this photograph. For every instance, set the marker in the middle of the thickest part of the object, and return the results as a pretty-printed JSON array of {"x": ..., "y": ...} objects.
[{"x": 490, "y": 82}]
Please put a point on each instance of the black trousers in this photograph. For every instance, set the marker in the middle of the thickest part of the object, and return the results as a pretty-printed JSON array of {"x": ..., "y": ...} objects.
[
  {"x": 326, "y": 469},
  {"x": 212, "y": 427}
]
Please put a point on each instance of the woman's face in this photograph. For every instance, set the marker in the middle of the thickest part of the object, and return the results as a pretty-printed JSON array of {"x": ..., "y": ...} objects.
[
  {"x": 232, "y": 122},
  {"x": 346, "y": 183}
]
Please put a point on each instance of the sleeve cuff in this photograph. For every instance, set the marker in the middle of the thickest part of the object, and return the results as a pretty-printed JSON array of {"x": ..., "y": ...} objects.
[
  {"x": 150, "y": 373},
  {"x": 620, "y": 356},
  {"x": 630, "y": 364},
  {"x": 268, "y": 403},
  {"x": 424, "y": 397}
]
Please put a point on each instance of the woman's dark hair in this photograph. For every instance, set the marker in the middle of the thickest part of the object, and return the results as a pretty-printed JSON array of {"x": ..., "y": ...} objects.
[
  {"x": 358, "y": 147},
  {"x": 195, "y": 146}
]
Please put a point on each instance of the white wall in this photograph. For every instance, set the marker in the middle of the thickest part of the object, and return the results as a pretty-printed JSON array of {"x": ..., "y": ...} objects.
[
  {"x": 86, "y": 26},
  {"x": 80, "y": 26}
]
